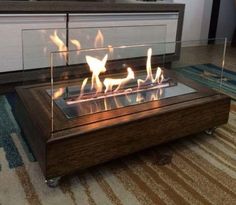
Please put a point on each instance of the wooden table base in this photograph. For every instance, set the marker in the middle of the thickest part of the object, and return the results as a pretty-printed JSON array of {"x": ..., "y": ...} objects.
[{"x": 85, "y": 141}]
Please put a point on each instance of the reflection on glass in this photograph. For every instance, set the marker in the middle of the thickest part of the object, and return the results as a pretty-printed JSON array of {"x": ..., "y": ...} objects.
[
  {"x": 72, "y": 110},
  {"x": 95, "y": 94}
]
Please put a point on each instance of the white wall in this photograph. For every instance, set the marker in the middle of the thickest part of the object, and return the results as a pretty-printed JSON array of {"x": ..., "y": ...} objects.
[
  {"x": 196, "y": 19},
  {"x": 227, "y": 19}
]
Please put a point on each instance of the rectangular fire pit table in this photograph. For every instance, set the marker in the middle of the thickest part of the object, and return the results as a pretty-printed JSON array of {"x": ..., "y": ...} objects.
[{"x": 84, "y": 141}]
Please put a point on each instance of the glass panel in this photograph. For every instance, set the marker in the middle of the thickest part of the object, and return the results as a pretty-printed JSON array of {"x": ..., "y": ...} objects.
[
  {"x": 133, "y": 80},
  {"x": 228, "y": 85},
  {"x": 86, "y": 81},
  {"x": 93, "y": 37},
  {"x": 78, "y": 107},
  {"x": 84, "y": 38},
  {"x": 115, "y": 42},
  {"x": 202, "y": 61},
  {"x": 38, "y": 44}
]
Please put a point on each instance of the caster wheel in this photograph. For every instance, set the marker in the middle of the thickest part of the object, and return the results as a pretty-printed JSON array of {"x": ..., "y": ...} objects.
[
  {"x": 210, "y": 131},
  {"x": 53, "y": 183}
]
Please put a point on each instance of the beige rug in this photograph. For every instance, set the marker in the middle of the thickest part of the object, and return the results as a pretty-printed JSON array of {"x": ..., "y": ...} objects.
[{"x": 198, "y": 169}]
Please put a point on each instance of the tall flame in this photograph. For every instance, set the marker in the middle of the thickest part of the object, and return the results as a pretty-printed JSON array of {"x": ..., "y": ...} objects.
[
  {"x": 99, "y": 40},
  {"x": 96, "y": 67},
  {"x": 82, "y": 87},
  {"x": 77, "y": 45},
  {"x": 60, "y": 44},
  {"x": 113, "y": 85},
  {"x": 110, "y": 82},
  {"x": 149, "y": 66},
  {"x": 159, "y": 77}
]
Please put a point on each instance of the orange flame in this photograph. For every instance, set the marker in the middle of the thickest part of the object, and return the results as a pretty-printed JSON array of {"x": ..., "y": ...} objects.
[
  {"x": 82, "y": 87},
  {"x": 139, "y": 98},
  {"x": 99, "y": 40},
  {"x": 77, "y": 44},
  {"x": 60, "y": 44},
  {"x": 149, "y": 66},
  {"x": 110, "y": 49},
  {"x": 157, "y": 95},
  {"x": 110, "y": 82},
  {"x": 81, "y": 91},
  {"x": 127, "y": 91},
  {"x": 140, "y": 82},
  {"x": 58, "y": 93},
  {"x": 106, "y": 105},
  {"x": 117, "y": 103},
  {"x": 159, "y": 77},
  {"x": 96, "y": 67}
]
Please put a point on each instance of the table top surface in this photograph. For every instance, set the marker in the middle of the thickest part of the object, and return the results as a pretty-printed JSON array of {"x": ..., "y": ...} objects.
[{"x": 7, "y": 7}]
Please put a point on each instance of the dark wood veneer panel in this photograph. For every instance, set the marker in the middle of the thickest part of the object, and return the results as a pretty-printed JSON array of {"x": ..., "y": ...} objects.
[
  {"x": 112, "y": 142},
  {"x": 33, "y": 134}
]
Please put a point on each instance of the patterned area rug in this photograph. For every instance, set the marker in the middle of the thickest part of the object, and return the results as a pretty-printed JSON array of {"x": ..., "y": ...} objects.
[
  {"x": 210, "y": 75},
  {"x": 198, "y": 169}
]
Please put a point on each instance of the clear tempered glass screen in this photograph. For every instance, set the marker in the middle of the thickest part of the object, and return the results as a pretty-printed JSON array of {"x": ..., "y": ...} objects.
[
  {"x": 205, "y": 63},
  {"x": 131, "y": 83},
  {"x": 100, "y": 91},
  {"x": 39, "y": 43},
  {"x": 136, "y": 81},
  {"x": 115, "y": 36}
]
